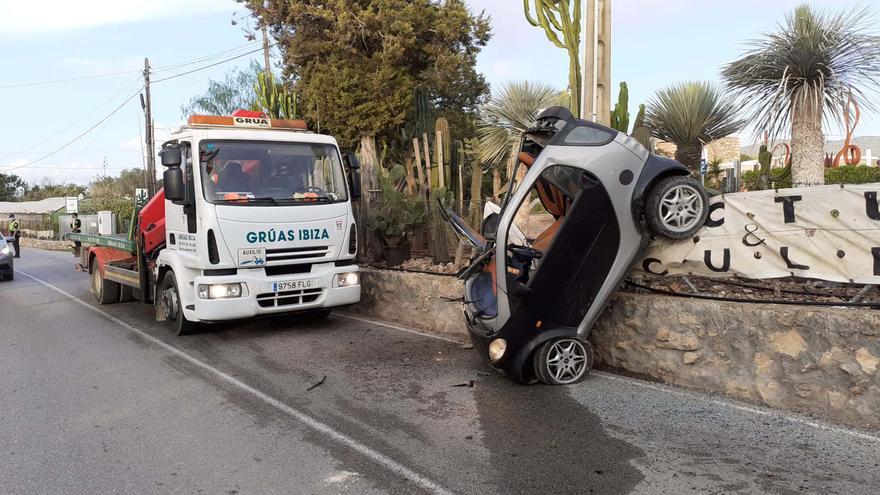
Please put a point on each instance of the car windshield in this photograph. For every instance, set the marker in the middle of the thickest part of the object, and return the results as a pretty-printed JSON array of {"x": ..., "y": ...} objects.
[{"x": 252, "y": 172}]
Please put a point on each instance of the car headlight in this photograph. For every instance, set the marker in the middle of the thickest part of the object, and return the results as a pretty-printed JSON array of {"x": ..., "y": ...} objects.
[
  {"x": 496, "y": 349},
  {"x": 347, "y": 279},
  {"x": 5, "y": 250},
  {"x": 219, "y": 291}
]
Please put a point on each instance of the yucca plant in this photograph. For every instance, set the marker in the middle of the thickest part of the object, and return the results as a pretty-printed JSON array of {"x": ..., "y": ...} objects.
[
  {"x": 803, "y": 72},
  {"x": 508, "y": 114},
  {"x": 689, "y": 115}
]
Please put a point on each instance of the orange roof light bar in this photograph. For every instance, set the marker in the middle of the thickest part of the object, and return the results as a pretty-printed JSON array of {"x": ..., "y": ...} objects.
[{"x": 250, "y": 122}]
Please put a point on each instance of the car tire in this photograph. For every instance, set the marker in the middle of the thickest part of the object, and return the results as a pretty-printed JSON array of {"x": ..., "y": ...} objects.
[
  {"x": 676, "y": 207},
  {"x": 168, "y": 302},
  {"x": 125, "y": 294},
  {"x": 563, "y": 361},
  {"x": 105, "y": 291}
]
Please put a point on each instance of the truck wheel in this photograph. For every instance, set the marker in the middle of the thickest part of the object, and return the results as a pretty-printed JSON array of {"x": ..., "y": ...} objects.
[
  {"x": 168, "y": 300},
  {"x": 125, "y": 294},
  {"x": 676, "y": 207},
  {"x": 563, "y": 361},
  {"x": 105, "y": 291}
]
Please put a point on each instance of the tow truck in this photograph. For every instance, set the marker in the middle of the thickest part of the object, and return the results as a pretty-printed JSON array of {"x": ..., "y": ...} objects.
[{"x": 254, "y": 218}]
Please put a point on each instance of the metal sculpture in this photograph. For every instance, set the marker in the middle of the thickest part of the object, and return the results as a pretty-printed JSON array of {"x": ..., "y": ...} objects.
[{"x": 851, "y": 153}]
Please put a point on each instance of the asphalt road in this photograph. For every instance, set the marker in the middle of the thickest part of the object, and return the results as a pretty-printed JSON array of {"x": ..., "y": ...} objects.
[{"x": 104, "y": 400}]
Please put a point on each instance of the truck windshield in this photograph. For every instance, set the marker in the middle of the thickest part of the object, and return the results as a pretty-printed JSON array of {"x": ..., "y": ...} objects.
[{"x": 261, "y": 173}]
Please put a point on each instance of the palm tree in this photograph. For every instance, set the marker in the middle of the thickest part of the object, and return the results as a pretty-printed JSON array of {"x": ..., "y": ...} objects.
[
  {"x": 805, "y": 72},
  {"x": 689, "y": 115},
  {"x": 506, "y": 116}
]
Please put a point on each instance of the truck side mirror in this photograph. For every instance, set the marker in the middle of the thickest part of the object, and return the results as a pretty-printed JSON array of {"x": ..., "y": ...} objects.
[
  {"x": 354, "y": 175},
  {"x": 351, "y": 160},
  {"x": 172, "y": 181},
  {"x": 171, "y": 156}
]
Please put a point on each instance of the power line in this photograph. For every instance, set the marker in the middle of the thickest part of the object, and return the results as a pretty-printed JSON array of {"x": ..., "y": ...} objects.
[
  {"x": 69, "y": 79},
  {"x": 178, "y": 65},
  {"x": 77, "y": 138},
  {"x": 119, "y": 73},
  {"x": 207, "y": 66},
  {"x": 77, "y": 121}
]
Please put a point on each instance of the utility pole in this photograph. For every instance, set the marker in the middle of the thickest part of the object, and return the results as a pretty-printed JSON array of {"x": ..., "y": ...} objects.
[
  {"x": 150, "y": 143},
  {"x": 596, "y": 80},
  {"x": 266, "y": 49}
]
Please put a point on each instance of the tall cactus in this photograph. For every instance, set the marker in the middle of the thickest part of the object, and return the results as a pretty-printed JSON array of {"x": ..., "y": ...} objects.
[
  {"x": 562, "y": 17},
  {"x": 641, "y": 133},
  {"x": 273, "y": 98},
  {"x": 620, "y": 114}
]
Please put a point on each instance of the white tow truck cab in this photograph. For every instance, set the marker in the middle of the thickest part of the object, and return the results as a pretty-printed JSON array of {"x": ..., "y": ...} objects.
[{"x": 257, "y": 219}]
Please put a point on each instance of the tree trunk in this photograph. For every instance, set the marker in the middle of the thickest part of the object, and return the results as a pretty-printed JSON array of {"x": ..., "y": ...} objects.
[
  {"x": 496, "y": 183},
  {"x": 367, "y": 204},
  {"x": 690, "y": 155},
  {"x": 807, "y": 146}
]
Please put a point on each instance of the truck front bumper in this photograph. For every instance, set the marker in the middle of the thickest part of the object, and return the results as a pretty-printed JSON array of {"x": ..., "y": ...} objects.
[{"x": 258, "y": 297}]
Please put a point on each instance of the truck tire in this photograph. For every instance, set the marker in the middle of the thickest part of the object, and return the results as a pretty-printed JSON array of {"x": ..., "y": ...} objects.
[
  {"x": 125, "y": 294},
  {"x": 105, "y": 291},
  {"x": 168, "y": 301}
]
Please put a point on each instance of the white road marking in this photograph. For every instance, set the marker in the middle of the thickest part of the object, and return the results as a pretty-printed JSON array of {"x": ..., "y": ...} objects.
[
  {"x": 398, "y": 328},
  {"x": 673, "y": 391},
  {"x": 304, "y": 418}
]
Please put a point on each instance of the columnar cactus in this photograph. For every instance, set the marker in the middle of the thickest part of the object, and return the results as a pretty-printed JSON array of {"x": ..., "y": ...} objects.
[
  {"x": 620, "y": 114},
  {"x": 563, "y": 17},
  {"x": 274, "y": 98}
]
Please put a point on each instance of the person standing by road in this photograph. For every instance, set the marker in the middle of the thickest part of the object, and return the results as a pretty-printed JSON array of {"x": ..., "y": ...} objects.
[
  {"x": 76, "y": 228},
  {"x": 15, "y": 232}
]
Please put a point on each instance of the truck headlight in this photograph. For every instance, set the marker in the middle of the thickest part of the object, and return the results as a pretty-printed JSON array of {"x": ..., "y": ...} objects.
[
  {"x": 219, "y": 291},
  {"x": 496, "y": 349},
  {"x": 5, "y": 250},
  {"x": 347, "y": 279}
]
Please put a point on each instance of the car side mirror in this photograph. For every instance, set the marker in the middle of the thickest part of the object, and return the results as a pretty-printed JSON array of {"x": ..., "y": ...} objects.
[
  {"x": 171, "y": 156},
  {"x": 172, "y": 181}
]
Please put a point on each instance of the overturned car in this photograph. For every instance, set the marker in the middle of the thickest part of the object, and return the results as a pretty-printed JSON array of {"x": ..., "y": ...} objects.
[{"x": 531, "y": 298}]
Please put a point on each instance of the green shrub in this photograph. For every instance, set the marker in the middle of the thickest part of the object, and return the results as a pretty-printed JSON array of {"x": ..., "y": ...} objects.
[{"x": 847, "y": 174}]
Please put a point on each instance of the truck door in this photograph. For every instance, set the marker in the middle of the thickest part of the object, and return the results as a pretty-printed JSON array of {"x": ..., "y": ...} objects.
[{"x": 180, "y": 217}]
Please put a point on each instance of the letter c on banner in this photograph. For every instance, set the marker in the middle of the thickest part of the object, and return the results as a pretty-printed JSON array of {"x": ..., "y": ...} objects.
[
  {"x": 710, "y": 222},
  {"x": 646, "y": 266}
]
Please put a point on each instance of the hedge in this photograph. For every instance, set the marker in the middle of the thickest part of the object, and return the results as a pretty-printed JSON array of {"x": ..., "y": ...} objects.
[{"x": 847, "y": 174}]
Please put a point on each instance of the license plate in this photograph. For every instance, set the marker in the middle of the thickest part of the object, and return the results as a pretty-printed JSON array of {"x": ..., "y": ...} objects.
[{"x": 290, "y": 285}]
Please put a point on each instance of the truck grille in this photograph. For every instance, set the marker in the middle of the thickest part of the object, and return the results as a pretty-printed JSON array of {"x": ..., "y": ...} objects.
[
  {"x": 288, "y": 298},
  {"x": 299, "y": 253}
]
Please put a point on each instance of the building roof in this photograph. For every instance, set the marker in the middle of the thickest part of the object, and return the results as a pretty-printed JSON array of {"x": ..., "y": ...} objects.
[{"x": 48, "y": 205}]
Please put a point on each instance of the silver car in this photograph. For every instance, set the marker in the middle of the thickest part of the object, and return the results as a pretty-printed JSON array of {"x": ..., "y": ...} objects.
[
  {"x": 7, "y": 268},
  {"x": 532, "y": 295}
]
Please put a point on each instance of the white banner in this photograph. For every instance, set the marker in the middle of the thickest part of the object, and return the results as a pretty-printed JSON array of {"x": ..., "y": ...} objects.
[{"x": 827, "y": 232}]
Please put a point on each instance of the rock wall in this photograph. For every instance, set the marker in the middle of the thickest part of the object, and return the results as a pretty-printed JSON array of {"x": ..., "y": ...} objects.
[
  {"x": 426, "y": 301},
  {"x": 810, "y": 359},
  {"x": 49, "y": 245},
  {"x": 816, "y": 360}
]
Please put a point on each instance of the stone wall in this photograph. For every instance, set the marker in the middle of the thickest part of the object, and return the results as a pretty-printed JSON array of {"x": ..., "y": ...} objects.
[
  {"x": 49, "y": 245},
  {"x": 726, "y": 149},
  {"x": 816, "y": 360},
  {"x": 426, "y": 301}
]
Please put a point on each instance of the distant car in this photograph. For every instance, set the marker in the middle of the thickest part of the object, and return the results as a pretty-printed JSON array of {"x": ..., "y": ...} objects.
[{"x": 7, "y": 268}]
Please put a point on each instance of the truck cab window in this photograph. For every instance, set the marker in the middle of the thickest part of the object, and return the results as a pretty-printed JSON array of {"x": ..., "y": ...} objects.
[{"x": 249, "y": 172}]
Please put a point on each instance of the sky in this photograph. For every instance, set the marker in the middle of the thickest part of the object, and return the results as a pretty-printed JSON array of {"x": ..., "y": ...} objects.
[{"x": 97, "y": 48}]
